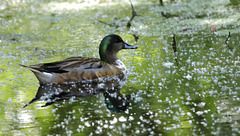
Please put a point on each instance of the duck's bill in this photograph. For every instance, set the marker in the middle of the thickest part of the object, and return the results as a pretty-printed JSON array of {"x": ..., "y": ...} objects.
[{"x": 127, "y": 46}]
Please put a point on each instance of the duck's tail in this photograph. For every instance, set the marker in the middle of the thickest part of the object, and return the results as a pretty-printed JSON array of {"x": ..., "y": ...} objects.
[{"x": 43, "y": 77}]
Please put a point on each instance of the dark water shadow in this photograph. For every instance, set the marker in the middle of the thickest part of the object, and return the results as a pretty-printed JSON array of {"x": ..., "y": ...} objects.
[{"x": 110, "y": 88}]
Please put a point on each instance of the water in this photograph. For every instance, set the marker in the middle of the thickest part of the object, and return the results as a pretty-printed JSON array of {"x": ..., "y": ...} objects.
[{"x": 199, "y": 96}]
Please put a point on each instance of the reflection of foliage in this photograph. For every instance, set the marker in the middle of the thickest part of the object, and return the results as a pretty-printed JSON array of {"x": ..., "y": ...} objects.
[
  {"x": 227, "y": 40},
  {"x": 174, "y": 46},
  {"x": 161, "y": 2},
  {"x": 114, "y": 24}
]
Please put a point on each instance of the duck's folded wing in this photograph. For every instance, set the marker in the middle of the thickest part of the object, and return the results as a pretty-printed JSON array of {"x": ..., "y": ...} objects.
[{"x": 69, "y": 64}]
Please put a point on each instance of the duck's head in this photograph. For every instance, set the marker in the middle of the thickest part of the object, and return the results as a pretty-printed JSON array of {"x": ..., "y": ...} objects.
[{"x": 110, "y": 46}]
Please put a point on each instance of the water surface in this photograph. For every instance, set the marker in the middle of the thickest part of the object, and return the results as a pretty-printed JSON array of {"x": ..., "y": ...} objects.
[{"x": 199, "y": 96}]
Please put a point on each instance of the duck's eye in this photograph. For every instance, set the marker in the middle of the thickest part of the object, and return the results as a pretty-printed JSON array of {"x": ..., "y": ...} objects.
[{"x": 117, "y": 40}]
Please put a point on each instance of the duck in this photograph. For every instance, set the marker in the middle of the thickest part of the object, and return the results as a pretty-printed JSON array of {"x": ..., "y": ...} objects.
[{"x": 77, "y": 69}]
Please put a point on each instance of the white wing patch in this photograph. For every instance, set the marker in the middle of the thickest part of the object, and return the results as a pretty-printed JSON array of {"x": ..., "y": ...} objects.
[{"x": 47, "y": 75}]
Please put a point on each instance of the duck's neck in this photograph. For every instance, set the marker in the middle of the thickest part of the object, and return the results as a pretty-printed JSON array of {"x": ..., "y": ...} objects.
[
  {"x": 107, "y": 56},
  {"x": 111, "y": 58}
]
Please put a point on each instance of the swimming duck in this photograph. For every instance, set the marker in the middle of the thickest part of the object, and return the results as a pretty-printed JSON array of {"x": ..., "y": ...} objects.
[{"x": 77, "y": 69}]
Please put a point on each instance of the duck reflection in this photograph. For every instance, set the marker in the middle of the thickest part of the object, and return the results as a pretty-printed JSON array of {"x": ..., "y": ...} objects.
[{"x": 110, "y": 88}]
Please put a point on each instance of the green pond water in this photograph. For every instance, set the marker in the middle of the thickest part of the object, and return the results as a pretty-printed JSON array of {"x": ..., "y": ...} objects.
[{"x": 198, "y": 96}]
